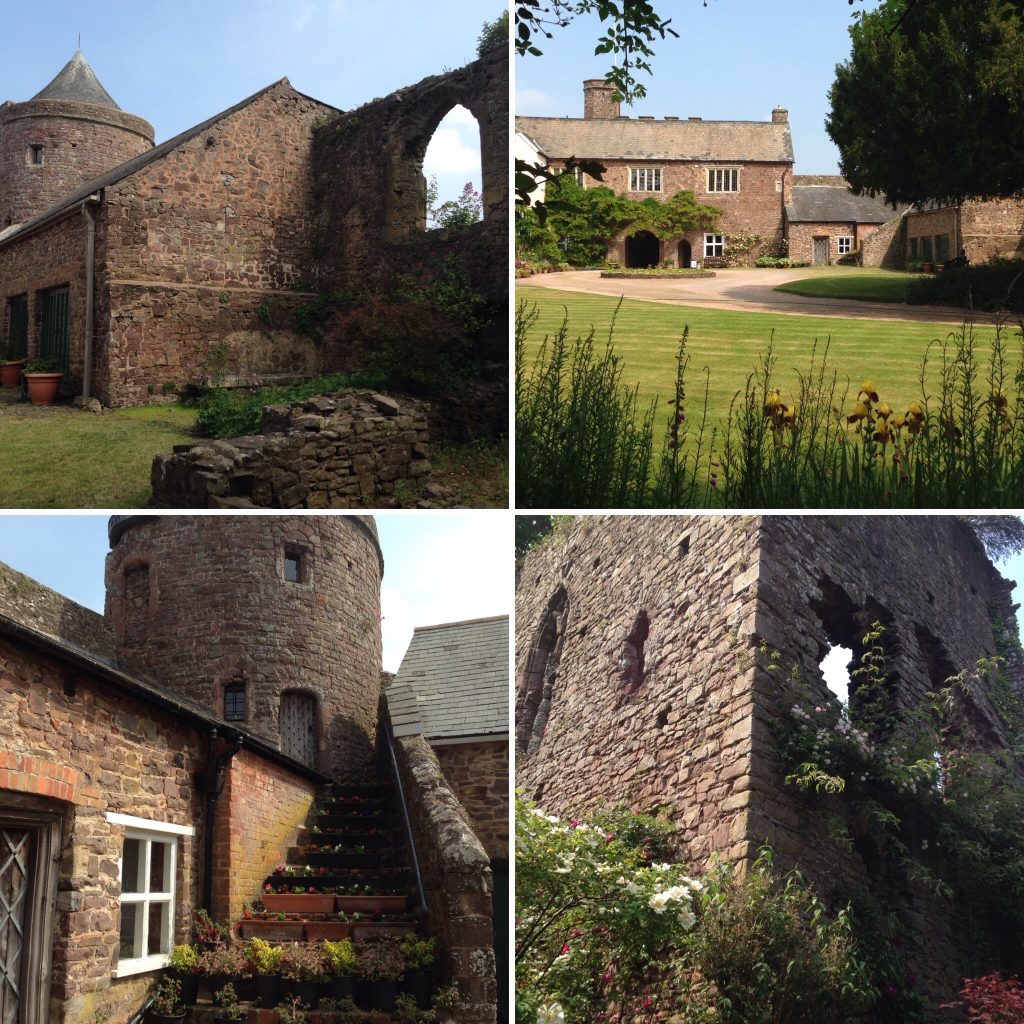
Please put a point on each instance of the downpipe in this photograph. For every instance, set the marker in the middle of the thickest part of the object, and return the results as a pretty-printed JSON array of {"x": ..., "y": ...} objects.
[{"x": 90, "y": 272}]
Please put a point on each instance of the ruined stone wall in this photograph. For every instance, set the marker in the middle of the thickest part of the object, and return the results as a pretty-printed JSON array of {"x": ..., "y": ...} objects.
[
  {"x": 349, "y": 450},
  {"x": 673, "y": 732},
  {"x": 369, "y": 170},
  {"x": 887, "y": 245},
  {"x": 29, "y": 602},
  {"x": 457, "y": 880},
  {"x": 992, "y": 228},
  {"x": 80, "y": 141},
  {"x": 199, "y": 254},
  {"x": 218, "y": 610},
  {"x": 261, "y": 810},
  {"x": 477, "y": 774},
  {"x": 78, "y": 750}
]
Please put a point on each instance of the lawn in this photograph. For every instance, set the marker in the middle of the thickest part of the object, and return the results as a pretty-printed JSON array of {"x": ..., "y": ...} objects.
[
  {"x": 63, "y": 458},
  {"x": 732, "y": 343},
  {"x": 859, "y": 284}
]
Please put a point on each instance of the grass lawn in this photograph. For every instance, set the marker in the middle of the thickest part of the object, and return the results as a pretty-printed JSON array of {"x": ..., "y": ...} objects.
[
  {"x": 867, "y": 285},
  {"x": 732, "y": 343},
  {"x": 477, "y": 474},
  {"x": 63, "y": 458}
]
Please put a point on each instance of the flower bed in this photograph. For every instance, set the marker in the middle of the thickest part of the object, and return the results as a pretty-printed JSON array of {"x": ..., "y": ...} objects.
[{"x": 658, "y": 272}]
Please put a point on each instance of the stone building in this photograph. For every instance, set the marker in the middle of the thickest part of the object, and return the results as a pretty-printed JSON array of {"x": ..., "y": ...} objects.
[
  {"x": 140, "y": 268},
  {"x": 232, "y": 683},
  {"x": 985, "y": 229},
  {"x": 641, "y": 676}
]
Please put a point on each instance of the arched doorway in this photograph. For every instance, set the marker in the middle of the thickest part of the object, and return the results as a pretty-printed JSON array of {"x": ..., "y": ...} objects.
[
  {"x": 684, "y": 254},
  {"x": 642, "y": 250}
]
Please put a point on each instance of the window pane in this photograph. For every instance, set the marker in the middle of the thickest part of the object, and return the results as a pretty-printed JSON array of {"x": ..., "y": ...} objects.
[
  {"x": 131, "y": 931},
  {"x": 291, "y": 569},
  {"x": 157, "y": 941},
  {"x": 131, "y": 866},
  {"x": 159, "y": 867}
]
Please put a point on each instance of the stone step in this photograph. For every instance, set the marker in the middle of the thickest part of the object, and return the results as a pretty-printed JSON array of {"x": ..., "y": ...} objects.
[
  {"x": 371, "y": 790},
  {"x": 326, "y": 821},
  {"x": 202, "y": 1013},
  {"x": 351, "y": 837}
]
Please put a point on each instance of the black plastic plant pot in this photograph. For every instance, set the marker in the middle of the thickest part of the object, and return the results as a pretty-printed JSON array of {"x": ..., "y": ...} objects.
[
  {"x": 342, "y": 986},
  {"x": 160, "y": 1018},
  {"x": 378, "y": 995},
  {"x": 308, "y": 992},
  {"x": 268, "y": 990},
  {"x": 246, "y": 988},
  {"x": 420, "y": 985},
  {"x": 215, "y": 982},
  {"x": 189, "y": 988}
]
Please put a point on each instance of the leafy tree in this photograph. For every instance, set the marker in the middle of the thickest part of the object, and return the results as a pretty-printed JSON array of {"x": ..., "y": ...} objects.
[
  {"x": 1002, "y": 536},
  {"x": 494, "y": 33},
  {"x": 930, "y": 104},
  {"x": 461, "y": 212}
]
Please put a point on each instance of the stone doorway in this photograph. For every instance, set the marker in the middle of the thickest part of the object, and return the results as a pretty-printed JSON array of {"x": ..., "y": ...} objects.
[
  {"x": 820, "y": 257},
  {"x": 298, "y": 727},
  {"x": 685, "y": 254},
  {"x": 642, "y": 250}
]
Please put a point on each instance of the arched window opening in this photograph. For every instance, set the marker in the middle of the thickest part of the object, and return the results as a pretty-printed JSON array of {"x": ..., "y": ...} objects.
[
  {"x": 533, "y": 697},
  {"x": 835, "y": 670},
  {"x": 632, "y": 658},
  {"x": 452, "y": 173},
  {"x": 136, "y": 605},
  {"x": 298, "y": 726}
]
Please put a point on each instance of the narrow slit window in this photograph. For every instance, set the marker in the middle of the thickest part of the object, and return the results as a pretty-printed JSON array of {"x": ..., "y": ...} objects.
[
  {"x": 35, "y": 154},
  {"x": 234, "y": 702}
]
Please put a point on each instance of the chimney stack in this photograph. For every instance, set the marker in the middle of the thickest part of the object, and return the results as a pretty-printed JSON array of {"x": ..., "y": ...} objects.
[
  {"x": 597, "y": 100},
  {"x": 780, "y": 115}
]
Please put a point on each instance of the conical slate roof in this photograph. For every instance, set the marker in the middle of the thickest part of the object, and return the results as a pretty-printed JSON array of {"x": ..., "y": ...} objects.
[{"x": 77, "y": 82}]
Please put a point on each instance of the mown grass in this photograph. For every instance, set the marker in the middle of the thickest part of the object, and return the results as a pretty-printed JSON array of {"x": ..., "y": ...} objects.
[
  {"x": 60, "y": 458},
  {"x": 730, "y": 344},
  {"x": 876, "y": 286}
]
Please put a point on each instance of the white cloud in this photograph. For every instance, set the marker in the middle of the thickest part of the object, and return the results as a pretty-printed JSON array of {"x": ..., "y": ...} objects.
[
  {"x": 533, "y": 101},
  {"x": 451, "y": 152}
]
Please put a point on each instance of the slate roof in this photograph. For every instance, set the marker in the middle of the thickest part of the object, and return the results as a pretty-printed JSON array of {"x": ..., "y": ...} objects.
[
  {"x": 632, "y": 139},
  {"x": 77, "y": 82},
  {"x": 115, "y": 174},
  {"x": 453, "y": 681},
  {"x": 826, "y": 203}
]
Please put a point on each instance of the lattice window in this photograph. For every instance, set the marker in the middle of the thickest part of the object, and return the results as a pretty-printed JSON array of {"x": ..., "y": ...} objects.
[
  {"x": 723, "y": 179},
  {"x": 234, "y": 702},
  {"x": 15, "y": 858},
  {"x": 645, "y": 179}
]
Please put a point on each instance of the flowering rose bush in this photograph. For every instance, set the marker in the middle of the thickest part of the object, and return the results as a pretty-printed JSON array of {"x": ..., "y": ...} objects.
[{"x": 595, "y": 909}]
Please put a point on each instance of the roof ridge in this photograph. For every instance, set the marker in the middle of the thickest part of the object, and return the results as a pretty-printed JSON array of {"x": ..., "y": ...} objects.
[{"x": 460, "y": 622}]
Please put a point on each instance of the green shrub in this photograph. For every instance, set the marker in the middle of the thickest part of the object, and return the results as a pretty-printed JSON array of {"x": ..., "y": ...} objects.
[{"x": 992, "y": 286}]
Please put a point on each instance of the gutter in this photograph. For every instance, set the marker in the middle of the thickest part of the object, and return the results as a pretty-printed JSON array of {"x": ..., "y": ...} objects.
[{"x": 90, "y": 268}]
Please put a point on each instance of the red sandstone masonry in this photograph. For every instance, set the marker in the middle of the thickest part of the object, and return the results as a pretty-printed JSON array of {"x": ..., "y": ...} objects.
[{"x": 478, "y": 776}]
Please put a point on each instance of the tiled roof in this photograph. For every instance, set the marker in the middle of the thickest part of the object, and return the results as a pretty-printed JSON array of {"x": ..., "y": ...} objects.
[
  {"x": 76, "y": 81},
  {"x": 824, "y": 203},
  {"x": 633, "y": 139},
  {"x": 453, "y": 681}
]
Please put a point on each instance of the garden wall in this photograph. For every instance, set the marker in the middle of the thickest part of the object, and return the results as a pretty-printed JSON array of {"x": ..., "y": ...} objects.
[
  {"x": 348, "y": 450},
  {"x": 457, "y": 880},
  {"x": 477, "y": 774}
]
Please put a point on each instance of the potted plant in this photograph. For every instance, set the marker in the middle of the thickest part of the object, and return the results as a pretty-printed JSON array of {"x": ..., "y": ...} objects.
[
  {"x": 43, "y": 378},
  {"x": 340, "y": 958},
  {"x": 299, "y": 902},
  {"x": 293, "y": 1012},
  {"x": 379, "y": 966},
  {"x": 11, "y": 365},
  {"x": 207, "y": 932},
  {"x": 227, "y": 1008},
  {"x": 386, "y": 904},
  {"x": 302, "y": 966},
  {"x": 167, "y": 1005},
  {"x": 418, "y": 980},
  {"x": 265, "y": 963},
  {"x": 446, "y": 1002},
  {"x": 328, "y": 928},
  {"x": 184, "y": 961},
  {"x": 223, "y": 965}
]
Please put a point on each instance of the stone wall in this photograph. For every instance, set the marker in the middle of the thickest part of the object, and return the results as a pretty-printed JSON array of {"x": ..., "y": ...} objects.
[
  {"x": 80, "y": 141},
  {"x": 801, "y": 239},
  {"x": 457, "y": 880},
  {"x": 220, "y": 611},
  {"x": 659, "y": 722},
  {"x": 642, "y": 676},
  {"x": 29, "y": 602},
  {"x": 887, "y": 245},
  {"x": 992, "y": 228},
  {"x": 349, "y": 450},
  {"x": 930, "y": 224},
  {"x": 477, "y": 773},
  {"x": 79, "y": 751},
  {"x": 261, "y": 810}
]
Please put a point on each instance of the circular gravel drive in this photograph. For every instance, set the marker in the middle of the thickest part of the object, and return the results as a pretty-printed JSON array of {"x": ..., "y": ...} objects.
[{"x": 751, "y": 290}]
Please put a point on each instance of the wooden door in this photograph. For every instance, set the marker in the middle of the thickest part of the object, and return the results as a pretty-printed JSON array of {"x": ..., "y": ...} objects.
[
  {"x": 298, "y": 727},
  {"x": 820, "y": 252}
]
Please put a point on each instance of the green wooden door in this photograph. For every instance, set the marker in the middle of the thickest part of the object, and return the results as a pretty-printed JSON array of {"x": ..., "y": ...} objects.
[
  {"x": 18, "y": 321},
  {"x": 53, "y": 342}
]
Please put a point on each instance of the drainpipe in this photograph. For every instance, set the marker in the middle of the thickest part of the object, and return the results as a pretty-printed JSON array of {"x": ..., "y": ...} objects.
[
  {"x": 785, "y": 226},
  {"x": 211, "y": 782},
  {"x": 90, "y": 268}
]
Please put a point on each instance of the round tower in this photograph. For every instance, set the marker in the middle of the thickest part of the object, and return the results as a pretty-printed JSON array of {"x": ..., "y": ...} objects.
[
  {"x": 68, "y": 133},
  {"x": 271, "y": 622}
]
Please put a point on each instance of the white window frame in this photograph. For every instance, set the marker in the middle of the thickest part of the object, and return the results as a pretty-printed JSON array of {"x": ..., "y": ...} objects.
[
  {"x": 844, "y": 245},
  {"x": 645, "y": 179},
  {"x": 711, "y": 242},
  {"x": 723, "y": 179},
  {"x": 147, "y": 832}
]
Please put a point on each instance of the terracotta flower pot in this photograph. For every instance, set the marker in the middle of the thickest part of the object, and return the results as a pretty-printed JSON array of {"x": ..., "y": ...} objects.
[
  {"x": 272, "y": 931},
  {"x": 10, "y": 373},
  {"x": 317, "y": 931},
  {"x": 371, "y": 904},
  {"x": 298, "y": 903},
  {"x": 42, "y": 387}
]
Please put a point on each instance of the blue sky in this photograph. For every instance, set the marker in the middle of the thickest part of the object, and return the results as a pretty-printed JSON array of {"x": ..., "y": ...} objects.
[
  {"x": 734, "y": 60},
  {"x": 438, "y": 567},
  {"x": 176, "y": 64}
]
